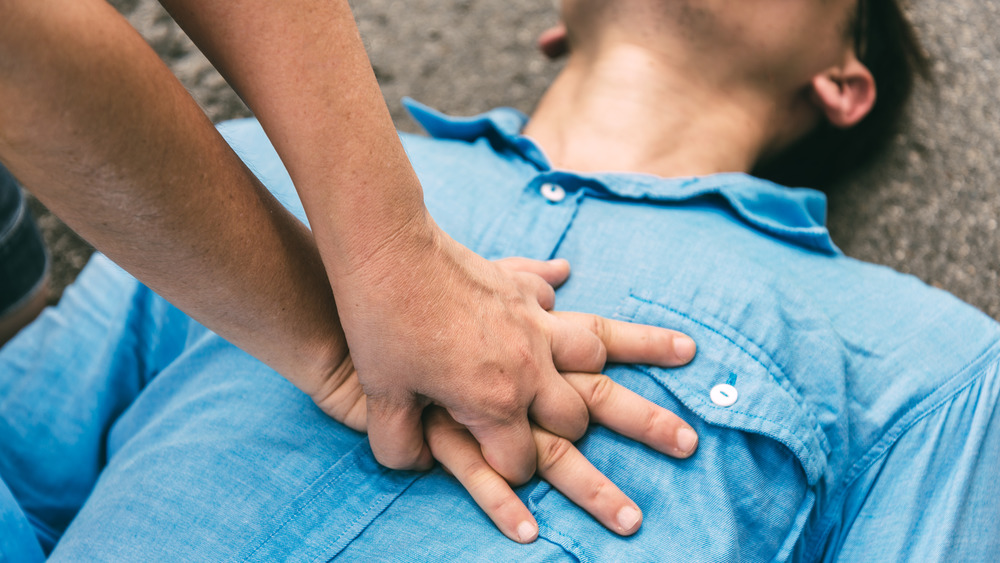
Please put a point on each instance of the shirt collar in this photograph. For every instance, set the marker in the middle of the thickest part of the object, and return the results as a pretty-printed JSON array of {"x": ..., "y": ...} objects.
[{"x": 794, "y": 215}]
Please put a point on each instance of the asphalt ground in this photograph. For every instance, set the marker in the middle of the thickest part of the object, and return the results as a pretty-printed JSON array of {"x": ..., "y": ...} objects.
[{"x": 930, "y": 208}]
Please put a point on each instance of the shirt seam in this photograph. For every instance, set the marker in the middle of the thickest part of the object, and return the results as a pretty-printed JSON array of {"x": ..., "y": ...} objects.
[
  {"x": 40, "y": 527},
  {"x": 307, "y": 501},
  {"x": 540, "y": 491},
  {"x": 379, "y": 504},
  {"x": 782, "y": 381},
  {"x": 578, "y": 553}
]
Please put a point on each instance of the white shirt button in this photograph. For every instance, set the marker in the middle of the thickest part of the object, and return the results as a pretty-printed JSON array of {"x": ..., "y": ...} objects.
[
  {"x": 724, "y": 395},
  {"x": 553, "y": 192}
]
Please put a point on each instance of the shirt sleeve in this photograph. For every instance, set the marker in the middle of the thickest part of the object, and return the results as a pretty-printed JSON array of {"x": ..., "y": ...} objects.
[
  {"x": 17, "y": 539},
  {"x": 935, "y": 495}
]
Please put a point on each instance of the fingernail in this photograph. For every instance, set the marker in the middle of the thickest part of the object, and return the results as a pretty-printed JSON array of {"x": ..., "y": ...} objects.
[
  {"x": 628, "y": 517},
  {"x": 526, "y": 532},
  {"x": 684, "y": 347},
  {"x": 687, "y": 440}
]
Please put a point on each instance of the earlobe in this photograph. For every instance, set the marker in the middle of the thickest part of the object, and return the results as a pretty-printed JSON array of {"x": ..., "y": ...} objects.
[
  {"x": 845, "y": 93},
  {"x": 553, "y": 43}
]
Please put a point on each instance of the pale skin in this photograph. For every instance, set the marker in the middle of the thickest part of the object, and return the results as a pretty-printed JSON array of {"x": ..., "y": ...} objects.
[{"x": 97, "y": 128}]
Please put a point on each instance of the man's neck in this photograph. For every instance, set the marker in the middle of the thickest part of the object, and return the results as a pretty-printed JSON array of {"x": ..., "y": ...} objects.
[{"x": 629, "y": 112}]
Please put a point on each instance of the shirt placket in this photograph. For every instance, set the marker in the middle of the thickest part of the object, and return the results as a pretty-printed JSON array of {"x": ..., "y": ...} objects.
[{"x": 536, "y": 224}]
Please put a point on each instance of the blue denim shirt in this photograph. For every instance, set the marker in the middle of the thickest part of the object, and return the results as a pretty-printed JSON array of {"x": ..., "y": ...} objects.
[{"x": 864, "y": 425}]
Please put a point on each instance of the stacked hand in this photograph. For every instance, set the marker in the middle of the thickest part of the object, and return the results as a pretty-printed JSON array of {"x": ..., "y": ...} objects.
[{"x": 467, "y": 373}]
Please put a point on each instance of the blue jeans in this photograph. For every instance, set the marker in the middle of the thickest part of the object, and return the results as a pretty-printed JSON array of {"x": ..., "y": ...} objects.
[{"x": 23, "y": 260}]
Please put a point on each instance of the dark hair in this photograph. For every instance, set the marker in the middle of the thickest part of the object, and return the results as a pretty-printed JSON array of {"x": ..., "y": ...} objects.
[{"x": 887, "y": 44}]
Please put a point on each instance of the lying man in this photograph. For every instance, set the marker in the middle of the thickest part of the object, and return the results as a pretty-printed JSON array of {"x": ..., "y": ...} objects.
[{"x": 844, "y": 411}]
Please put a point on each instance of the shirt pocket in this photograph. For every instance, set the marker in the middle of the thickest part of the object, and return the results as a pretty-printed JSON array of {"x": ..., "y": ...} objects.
[
  {"x": 331, "y": 512},
  {"x": 748, "y": 491}
]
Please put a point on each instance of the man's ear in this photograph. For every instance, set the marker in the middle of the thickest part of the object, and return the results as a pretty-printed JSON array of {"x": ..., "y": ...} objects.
[
  {"x": 844, "y": 93},
  {"x": 552, "y": 42}
]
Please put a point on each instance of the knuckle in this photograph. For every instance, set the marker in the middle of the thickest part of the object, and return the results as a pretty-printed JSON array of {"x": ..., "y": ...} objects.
[
  {"x": 598, "y": 489},
  {"x": 602, "y": 391},
  {"x": 502, "y": 406},
  {"x": 478, "y": 474},
  {"x": 501, "y": 501},
  {"x": 505, "y": 404},
  {"x": 597, "y": 325},
  {"x": 651, "y": 421},
  {"x": 552, "y": 452},
  {"x": 519, "y": 357}
]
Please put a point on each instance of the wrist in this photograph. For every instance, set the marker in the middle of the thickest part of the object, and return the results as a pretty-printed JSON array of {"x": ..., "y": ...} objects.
[
  {"x": 387, "y": 252},
  {"x": 310, "y": 364}
]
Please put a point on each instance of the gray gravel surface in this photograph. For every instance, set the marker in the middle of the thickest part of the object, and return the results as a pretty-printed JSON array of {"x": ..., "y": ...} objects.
[{"x": 930, "y": 209}]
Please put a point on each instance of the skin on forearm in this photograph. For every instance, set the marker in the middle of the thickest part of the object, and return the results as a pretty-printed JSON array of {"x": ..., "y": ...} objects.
[
  {"x": 100, "y": 131},
  {"x": 402, "y": 285},
  {"x": 304, "y": 72}
]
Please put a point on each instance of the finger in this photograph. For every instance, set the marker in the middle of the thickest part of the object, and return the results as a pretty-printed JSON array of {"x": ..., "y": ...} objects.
[
  {"x": 543, "y": 292},
  {"x": 459, "y": 454},
  {"x": 562, "y": 465},
  {"x": 552, "y": 42},
  {"x": 559, "y": 409},
  {"x": 633, "y": 416},
  {"x": 636, "y": 343},
  {"x": 507, "y": 447},
  {"x": 396, "y": 435},
  {"x": 554, "y": 271},
  {"x": 575, "y": 344}
]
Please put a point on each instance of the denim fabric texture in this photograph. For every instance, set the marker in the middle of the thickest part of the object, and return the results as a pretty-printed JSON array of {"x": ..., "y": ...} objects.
[
  {"x": 23, "y": 258},
  {"x": 865, "y": 429}
]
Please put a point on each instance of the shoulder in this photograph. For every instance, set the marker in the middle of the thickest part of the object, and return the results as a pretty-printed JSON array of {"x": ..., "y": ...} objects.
[{"x": 853, "y": 369}]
